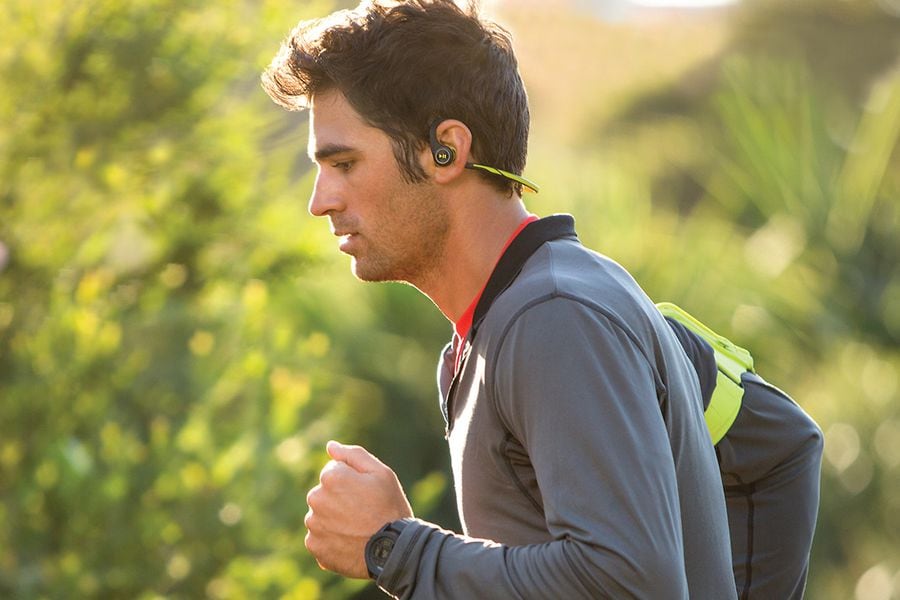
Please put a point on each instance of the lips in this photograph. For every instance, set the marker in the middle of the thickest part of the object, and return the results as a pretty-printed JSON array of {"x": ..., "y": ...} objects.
[
  {"x": 347, "y": 233},
  {"x": 347, "y": 240}
]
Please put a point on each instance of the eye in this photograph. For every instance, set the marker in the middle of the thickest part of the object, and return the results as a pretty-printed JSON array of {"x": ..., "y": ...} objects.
[{"x": 343, "y": 165}]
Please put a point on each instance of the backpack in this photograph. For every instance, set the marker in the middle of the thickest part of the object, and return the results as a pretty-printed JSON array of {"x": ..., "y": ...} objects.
[{"x": 732, "y": 361}]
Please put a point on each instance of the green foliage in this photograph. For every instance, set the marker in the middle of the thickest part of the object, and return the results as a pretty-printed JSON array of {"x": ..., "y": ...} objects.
[
  {"x": 168, "y": 379},
  {"x": 178, "y": 339}
]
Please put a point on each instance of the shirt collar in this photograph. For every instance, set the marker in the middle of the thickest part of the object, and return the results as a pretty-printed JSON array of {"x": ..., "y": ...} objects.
[{"x": 464, "y": 324}]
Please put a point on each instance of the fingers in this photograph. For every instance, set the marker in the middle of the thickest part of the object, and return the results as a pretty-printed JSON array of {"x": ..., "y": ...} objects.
[
  {"x": 357, "y": 457},
  {"x": 339, "y": 487},
  {"x": 333, "y": 540},
  {"x": 356, "y": 495},
  {"x": 314, "y": 545},
  {"x": 334, "y": 472}
]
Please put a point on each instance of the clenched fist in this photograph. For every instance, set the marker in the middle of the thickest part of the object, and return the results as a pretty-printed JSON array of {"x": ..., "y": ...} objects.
[{"x": 356, "y": 495}]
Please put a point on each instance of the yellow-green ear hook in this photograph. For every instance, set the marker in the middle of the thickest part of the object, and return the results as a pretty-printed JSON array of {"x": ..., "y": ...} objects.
[{"x": 526, "y": 183}]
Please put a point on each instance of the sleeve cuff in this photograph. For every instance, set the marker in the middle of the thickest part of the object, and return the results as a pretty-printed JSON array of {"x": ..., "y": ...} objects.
[{"x": 399, "y": 574}]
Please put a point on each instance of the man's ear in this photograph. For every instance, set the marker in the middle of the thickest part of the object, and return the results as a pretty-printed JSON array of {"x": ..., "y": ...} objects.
[{"x": 457, "y": 136}]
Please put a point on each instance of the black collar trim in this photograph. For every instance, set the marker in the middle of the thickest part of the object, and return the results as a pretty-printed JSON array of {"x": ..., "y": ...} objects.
[{"x": 531, "y": 238}]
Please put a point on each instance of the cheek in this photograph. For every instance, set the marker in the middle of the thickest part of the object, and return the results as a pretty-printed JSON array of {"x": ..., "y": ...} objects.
[{"x": 392, "y": 208}]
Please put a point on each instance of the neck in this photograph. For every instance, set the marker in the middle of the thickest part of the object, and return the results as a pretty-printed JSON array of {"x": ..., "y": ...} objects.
[{"x": 479, "y": 228}]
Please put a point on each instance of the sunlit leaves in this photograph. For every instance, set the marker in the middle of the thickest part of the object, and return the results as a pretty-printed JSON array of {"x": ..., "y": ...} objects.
[{"x": 149, "y": 372}]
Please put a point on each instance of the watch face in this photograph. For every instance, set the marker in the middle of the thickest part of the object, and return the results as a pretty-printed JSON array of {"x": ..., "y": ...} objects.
[{"x": 381, "y": 548}]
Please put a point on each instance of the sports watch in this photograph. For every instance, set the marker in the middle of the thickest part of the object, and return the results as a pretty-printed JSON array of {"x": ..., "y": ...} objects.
[{"x": 379, "y": 546}]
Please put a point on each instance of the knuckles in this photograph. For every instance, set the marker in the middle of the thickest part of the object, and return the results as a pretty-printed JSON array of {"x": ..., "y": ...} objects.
[
  {"x": 327, "y": 476},
  {"x": 310, "y": 522},
  {"x": 312, "y": 545},
  {"x": 333, "y": 474},
  {"x": 313, "y": 497}
]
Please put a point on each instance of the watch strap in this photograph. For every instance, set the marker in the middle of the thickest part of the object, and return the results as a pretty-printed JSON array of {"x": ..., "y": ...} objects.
[{"x": 374, "y": 563}]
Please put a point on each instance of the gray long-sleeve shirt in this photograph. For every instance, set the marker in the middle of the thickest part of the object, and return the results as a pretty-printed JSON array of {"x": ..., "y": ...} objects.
[{"x": 578, "y": 449}]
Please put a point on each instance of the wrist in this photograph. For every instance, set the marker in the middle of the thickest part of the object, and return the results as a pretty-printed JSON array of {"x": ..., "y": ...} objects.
[{"x": 381, "y": 545}]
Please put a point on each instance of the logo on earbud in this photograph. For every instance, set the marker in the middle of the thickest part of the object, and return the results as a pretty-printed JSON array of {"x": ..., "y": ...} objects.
[{"x": 443, "y": 155}]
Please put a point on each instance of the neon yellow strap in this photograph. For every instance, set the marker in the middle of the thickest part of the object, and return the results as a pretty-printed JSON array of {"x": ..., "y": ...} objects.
[
  {"x": 731, "y": 360},
  {"x": 723, "y": 408},
  {"x": 526, "y": 183}
]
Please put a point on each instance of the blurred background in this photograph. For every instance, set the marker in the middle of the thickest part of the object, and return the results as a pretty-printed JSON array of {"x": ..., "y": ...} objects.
[{"x": 178, "y": 338}]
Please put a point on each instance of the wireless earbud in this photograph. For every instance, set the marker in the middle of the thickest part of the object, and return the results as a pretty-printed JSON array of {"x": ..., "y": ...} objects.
[{"x": 444, "y": 155}]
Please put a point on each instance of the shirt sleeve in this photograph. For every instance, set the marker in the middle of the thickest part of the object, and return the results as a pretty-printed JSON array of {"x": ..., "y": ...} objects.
[
  {"x": 701, "y": 356},
  {"x": 583, "y": 400}
]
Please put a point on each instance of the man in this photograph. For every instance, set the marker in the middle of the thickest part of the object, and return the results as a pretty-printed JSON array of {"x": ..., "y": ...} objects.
[{"x": 582, "y": 464}]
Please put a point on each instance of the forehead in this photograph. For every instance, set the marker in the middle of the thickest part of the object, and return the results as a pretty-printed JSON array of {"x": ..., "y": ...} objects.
[{"x": 333, "y": 121}]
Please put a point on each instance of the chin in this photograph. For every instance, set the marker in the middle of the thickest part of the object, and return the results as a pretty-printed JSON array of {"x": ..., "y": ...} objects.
[
  {"x": 365, "y": 271},
  {"x": 376, "y": 271}
]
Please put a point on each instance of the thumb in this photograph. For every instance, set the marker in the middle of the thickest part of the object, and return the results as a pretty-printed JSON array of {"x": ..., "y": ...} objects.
[{"x": 356, "y": 457}]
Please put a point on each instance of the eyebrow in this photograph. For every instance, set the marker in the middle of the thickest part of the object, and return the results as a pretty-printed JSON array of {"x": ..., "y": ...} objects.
[{"x": 330, "y": 150}]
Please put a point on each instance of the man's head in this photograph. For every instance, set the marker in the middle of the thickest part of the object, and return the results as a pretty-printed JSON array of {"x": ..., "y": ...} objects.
[
  {"x": 404, "y": 65},
  {"x": 394, "y": 230}
]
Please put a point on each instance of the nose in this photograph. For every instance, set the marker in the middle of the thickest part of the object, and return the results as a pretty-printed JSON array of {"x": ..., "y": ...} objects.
[{"x": 326, "y": 197}]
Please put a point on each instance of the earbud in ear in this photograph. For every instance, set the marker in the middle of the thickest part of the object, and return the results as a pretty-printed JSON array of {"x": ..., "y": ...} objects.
[{"x": 443, "y": 155}]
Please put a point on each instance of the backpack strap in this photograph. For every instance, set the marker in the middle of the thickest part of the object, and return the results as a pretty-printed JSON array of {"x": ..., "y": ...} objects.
[{"x": 732, "y": 361}]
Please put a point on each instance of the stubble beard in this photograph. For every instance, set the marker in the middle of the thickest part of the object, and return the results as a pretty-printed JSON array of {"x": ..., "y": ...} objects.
[{"x": 414, "y": 254}]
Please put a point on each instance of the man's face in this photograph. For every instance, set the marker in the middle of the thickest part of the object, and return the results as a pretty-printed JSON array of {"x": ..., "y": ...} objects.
[{"x": 394, "y": 230}]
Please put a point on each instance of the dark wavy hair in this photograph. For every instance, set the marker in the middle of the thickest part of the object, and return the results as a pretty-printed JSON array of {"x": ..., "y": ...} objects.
[{"x": 402, "y": 66}]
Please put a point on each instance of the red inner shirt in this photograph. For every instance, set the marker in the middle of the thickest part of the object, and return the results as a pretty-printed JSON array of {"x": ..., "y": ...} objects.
[{"x": 464, "y": 324}]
